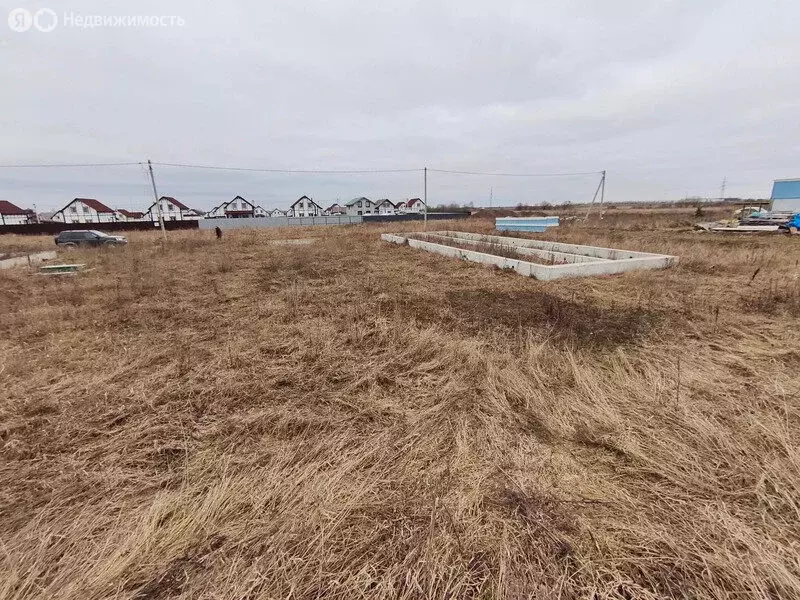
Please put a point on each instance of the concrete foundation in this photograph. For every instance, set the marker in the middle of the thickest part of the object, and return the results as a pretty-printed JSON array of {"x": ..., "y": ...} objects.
[
  {"x": 576, "y": 261},
  {"x": 27, "y": 261}
]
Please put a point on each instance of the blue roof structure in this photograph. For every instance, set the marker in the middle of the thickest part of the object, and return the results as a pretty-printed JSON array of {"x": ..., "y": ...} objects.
[{"x": 786, "y": 189}]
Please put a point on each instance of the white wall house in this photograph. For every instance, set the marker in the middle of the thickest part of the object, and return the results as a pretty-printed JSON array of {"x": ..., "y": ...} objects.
[
  {"x": 415, "y": 205},
  {"x": 239, "y": 208},
  {"x": 400, "y": 207},
  {"x": 386, "y": 207},
  {"x": 278, "y": 212},
  {"x": 192, "y": 214},
  {"x": 85, "y": 210},
  {"x": 171, "y": 210},
  {"x": 11, "y": 214},
  {"x": 361, "y": 206},
  {"x": 218, "y": 212},
  {"x": 305, "y": 207},
  {"x": 129, "y": 215},
  {"x": 334, "y": 210}
]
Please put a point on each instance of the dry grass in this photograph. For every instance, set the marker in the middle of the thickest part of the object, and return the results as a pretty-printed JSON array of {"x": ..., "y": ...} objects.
[{"x": 353, "y": 419}]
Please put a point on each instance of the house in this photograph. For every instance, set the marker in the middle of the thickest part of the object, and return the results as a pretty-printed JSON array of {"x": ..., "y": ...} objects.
[
  {"x": 335, "y": 209},
  {"x": 171, "y": 210},
  {"x": 400, "y": 207},
  {"x": 11, "y": 214},
  {"x": 278, "y": 212},
  {"x": 260, "y": 212},
  {"x": 85, "y": 210},
  {"x": 217, "y": 212},
  {"x": 192, "y": 214},
  {"x": 239, "y": 208},
  {"x": 786, "y": 195},
  {"x": 415, "y": 205},
  {"x": 361, "y": 206},
  {"x": 129, "y": 215},
  {"x": 305, "y": 207},
  {"x": 386, "y": 207}
]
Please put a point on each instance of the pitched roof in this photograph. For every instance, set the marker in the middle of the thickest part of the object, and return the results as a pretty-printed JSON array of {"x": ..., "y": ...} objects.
[
  {"x": 92, "y": 203},
  {"x": 234, "y": 199},
  {"x": 379, "y": 202},
  {"x": 6, "y": 208},
  {"x": 130, "y": 213},
  {"x": 177, "y": 203},
  {"x": 307, "y": 198},
  {"x": 354, "y": 200},
  {"x": 413, "y": 201}
]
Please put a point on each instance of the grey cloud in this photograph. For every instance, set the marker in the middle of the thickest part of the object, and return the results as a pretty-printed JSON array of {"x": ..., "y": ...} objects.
[{"x": 668, "y": 97}]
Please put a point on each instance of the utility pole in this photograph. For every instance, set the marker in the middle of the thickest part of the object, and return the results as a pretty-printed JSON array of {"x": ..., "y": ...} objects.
[
  {"x": 602, "y": 193},
  {"x": 491, "y": 197},
  {"x": 425, "y": 197},
  {"x": 722, "y": 188},
  {"x": 158, "y": 202},
  {"x": 600, "y": 187}
]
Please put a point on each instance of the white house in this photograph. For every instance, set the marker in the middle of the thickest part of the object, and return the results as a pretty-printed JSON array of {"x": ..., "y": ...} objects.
[
  {"x": 11, "y": 214},
  {"x": 361, "y": 206},
  {"x": 305, "y": 207},
  {"x": 335, "y": 209},
  {"x": 239, "y": 208},
  {"x": 217, "y": 212},
  {"x": 129, "y": 215},
  {"x": 192, "y": 214},
  {"x": 260, "y": 212},
  {"x": 278, "y": 212},
  {"x": 386, "y": 207},
  {"x": 400, "y": 207},
  {"x": 171, "y": 210},
  {"x": 415, "y": 205},
  {"x": 85, "y": 210}
]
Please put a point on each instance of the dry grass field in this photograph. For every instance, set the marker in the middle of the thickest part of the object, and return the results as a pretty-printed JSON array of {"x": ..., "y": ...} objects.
[{"x": 353, "y": 419}]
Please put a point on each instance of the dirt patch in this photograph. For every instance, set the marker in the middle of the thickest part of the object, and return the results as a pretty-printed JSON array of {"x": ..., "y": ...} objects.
[{"x": 582, "y": 322}]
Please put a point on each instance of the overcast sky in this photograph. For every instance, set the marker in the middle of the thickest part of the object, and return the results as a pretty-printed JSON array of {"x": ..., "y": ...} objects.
[{"x": 668, "y": 97}]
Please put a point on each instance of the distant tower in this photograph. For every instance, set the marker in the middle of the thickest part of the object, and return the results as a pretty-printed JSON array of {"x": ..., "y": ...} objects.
[{"x": 722, "y": 188}]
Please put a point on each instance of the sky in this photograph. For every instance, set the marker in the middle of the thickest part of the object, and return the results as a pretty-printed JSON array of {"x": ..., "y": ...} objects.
[{"x": 668, "y": 97}]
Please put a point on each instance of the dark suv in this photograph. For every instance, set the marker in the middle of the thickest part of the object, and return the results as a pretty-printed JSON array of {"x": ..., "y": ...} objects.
[{"x": 88, "y": 237}]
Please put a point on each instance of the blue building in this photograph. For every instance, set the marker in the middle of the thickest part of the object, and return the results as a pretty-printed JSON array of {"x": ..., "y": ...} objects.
[{"x": 786, "y": 195}]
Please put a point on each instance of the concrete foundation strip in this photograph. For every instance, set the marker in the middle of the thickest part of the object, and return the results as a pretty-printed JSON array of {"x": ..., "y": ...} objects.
[{"x": 601, "y": 261}]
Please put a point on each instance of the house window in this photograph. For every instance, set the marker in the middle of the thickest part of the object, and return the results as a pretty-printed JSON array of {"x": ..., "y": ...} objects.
[
  {"x": 169, "y": 207},
  {"x": 73, "y": 208},
  {"x": 360, "y": 204},
  {"x": 361, "y": 212}
]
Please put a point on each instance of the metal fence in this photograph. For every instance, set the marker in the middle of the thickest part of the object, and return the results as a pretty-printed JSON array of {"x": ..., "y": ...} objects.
[
  {"x": 259, "y": 222},
  {"x": 54, "y": 227}
]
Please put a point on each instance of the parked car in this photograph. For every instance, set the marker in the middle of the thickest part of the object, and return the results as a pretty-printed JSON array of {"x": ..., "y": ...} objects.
[{"x": 88, "y": 237}]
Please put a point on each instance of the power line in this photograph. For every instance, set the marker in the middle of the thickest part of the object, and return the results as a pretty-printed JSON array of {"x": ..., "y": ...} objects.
[
  {"x": 57, "y": 165},
  {"x": 516, "y": 174},
  {"x": 322, "y": 171}
]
